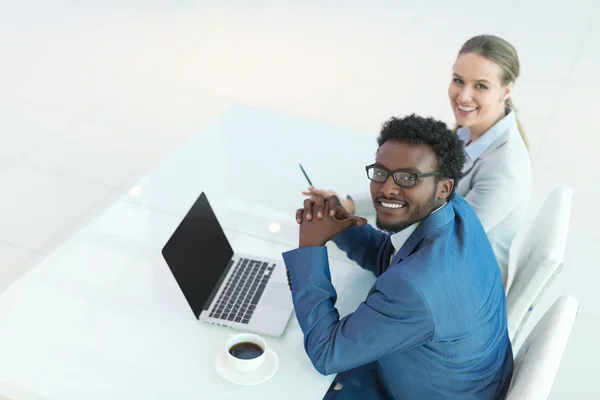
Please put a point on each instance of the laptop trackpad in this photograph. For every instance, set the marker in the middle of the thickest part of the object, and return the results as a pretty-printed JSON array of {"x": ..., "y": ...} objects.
[{"x": 277, "y": 295}]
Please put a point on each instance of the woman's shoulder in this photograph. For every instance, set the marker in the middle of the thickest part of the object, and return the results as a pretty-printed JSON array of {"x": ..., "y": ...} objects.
[
  {"x": 510, "y": 161},
  {"x": 508, "y": 151},
  {"x": 504, "y": 161}
]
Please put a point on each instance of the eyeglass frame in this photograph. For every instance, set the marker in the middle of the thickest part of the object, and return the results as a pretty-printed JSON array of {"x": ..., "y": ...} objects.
[{"x": 392, "y": 173}]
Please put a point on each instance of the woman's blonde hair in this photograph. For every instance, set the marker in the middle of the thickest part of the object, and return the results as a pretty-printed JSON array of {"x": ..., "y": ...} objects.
[{"x": 502, "y": 54}]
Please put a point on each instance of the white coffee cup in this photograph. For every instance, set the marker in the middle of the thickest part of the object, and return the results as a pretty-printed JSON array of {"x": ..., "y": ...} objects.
[{"x": 245, "y": 365}]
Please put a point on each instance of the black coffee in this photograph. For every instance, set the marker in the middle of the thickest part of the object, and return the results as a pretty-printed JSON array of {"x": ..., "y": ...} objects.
[{"x": 246, "y": 350}]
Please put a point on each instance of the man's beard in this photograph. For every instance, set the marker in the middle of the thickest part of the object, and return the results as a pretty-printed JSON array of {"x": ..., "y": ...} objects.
[{"x": 419, "y": 214}]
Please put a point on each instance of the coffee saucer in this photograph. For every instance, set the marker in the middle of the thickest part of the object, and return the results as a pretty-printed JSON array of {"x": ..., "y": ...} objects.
[{"x": 260, "y": 375}]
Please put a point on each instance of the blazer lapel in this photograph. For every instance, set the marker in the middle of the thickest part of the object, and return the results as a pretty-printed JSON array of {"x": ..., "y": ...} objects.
[
  {"x": 498, "y": 143},
  {"x": 503, "y": 138},
  {"x": 429, "y": 224},
  {"x": 385, "y": 253},
  {"x": 466, "y": 171}
]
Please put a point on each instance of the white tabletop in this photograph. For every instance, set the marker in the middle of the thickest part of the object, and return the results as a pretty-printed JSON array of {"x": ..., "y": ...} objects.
[
  {"x": 247, "y": 163},
  {"x": 102, "y": 316}
]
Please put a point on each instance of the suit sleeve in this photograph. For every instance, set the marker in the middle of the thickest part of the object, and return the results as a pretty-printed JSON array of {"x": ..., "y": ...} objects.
[
  {"x": 362, "y": 244},
  {"x": 393, "y": 318}
]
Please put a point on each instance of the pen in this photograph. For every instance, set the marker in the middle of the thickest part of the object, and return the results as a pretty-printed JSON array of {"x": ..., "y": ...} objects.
[{"x": 306, "y": 176}]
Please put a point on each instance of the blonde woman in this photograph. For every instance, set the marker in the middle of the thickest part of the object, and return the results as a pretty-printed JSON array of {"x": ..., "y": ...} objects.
[{"x": 497, "y": 175}]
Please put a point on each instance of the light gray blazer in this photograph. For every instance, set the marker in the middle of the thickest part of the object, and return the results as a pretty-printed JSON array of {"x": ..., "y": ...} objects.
[{"x": 497, "y": 185}]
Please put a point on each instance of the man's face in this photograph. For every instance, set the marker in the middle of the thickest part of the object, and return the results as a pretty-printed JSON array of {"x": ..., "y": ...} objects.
[{"x": 399, "y": 207}]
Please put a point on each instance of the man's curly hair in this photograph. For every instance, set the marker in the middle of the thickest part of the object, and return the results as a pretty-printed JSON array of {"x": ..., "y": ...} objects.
[{"x": 447, "y": 146}]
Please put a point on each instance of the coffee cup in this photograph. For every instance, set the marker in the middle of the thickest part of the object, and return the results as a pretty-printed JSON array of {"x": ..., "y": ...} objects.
[{"x": 245, "y": 352}]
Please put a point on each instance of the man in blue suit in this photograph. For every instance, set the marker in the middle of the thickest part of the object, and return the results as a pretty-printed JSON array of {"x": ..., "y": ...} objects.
[{"x": 434, "y": 324}]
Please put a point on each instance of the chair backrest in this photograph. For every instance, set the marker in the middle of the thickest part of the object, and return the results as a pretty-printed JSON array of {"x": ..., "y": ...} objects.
[
  {"x": 538, "y": 257},
  {"x": 538, "y": 359}
]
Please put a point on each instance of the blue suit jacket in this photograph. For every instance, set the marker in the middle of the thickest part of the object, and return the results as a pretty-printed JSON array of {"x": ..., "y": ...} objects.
[{"x": 434, "y": 324}]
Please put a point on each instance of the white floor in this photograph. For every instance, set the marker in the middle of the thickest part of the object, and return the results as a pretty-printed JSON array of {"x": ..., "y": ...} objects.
[{"x": 94, "y": 93}]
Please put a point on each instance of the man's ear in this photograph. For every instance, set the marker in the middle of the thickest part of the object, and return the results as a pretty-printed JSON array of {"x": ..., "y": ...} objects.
[{"x": 445, "y": 187}]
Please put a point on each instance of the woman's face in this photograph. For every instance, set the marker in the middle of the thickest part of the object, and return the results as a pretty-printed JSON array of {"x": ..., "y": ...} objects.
[{"x": 476, "y": 92}]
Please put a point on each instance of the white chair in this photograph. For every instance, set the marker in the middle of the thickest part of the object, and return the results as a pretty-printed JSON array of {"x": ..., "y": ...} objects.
[
  {"x": 538, "y": 359},
  {"x": 537, "y": 258}
]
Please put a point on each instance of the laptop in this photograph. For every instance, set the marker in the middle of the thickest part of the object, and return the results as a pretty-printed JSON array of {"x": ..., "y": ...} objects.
[{"x": 239, "y": 291}]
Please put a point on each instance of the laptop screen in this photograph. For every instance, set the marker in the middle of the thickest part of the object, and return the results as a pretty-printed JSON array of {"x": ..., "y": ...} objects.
[{"x": 198, "y": 253}]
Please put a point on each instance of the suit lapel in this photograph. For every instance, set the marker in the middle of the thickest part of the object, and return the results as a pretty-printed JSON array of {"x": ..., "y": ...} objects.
[
  {"x": 502, "y": 139},
  {"x": 498, "y": 143},
  {"x": 384, "y": 256},
  {"x": 429, "y": 224},
  {"x": 466, "y": 171}
]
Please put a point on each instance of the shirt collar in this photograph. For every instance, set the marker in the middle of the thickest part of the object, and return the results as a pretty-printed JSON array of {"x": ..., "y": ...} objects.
[
  {"x": 475, "y": 149},
  {"x": 399, "y": 238}
]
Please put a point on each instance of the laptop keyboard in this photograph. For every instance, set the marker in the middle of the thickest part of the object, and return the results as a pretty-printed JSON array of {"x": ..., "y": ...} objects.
[{"x": 242, "y": 291}]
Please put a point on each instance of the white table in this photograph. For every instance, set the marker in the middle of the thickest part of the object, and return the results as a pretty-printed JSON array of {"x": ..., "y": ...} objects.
[
  {"x": 247, "y": 163},
  {"x": 102, "y": 316}
]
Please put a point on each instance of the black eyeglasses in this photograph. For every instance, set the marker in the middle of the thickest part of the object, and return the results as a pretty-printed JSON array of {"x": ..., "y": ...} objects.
[{"x": 402, "y": 178}]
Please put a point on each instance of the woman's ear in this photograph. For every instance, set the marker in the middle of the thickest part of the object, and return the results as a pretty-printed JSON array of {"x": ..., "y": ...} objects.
[{"x": 508, "y": 91}]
